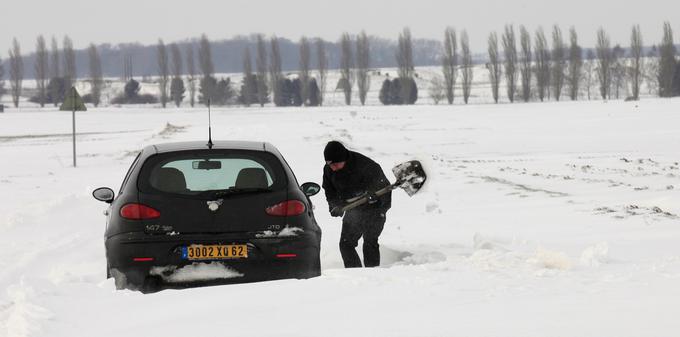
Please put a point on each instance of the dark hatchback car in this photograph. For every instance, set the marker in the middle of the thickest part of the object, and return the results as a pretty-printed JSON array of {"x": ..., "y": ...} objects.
[{"x": 190, "y": 214}]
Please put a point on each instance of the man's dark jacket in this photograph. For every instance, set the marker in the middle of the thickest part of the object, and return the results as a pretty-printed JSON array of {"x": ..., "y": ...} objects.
[{"x": 360, "y": 174}]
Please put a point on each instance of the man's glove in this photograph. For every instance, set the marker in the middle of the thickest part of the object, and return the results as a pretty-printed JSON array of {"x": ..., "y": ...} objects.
[
  {"x": 372, "y": 198},
  {"x": 337, "y": 211}
]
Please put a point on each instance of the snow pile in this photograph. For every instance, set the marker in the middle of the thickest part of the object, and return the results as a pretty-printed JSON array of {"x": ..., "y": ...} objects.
[
  {"x": 21, "y": 316},
  {"x": 550, "y": 259},
  {"x": 195, "y": 272},
  {"x": 285, "y": 232},
  {"x": 596, "y": 255}
]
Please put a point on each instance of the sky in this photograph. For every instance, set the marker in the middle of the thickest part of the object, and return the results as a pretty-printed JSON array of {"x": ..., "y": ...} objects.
[{"x": 145, "y": 21}]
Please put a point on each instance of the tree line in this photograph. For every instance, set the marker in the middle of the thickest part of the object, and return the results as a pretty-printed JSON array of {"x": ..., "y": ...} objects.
[
  {"x": 531, "y": 67},
  {"x": 537, "y": 69}
]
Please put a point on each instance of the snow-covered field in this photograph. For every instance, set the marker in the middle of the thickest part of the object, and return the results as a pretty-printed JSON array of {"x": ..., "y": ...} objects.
[{"x": 554, "y": 219}]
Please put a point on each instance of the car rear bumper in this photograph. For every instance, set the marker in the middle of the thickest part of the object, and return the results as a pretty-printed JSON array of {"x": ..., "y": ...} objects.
[{"x": 139, "y": 256}]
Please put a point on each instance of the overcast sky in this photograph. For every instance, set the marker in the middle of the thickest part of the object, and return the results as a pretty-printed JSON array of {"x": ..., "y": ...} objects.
[{"x": 145, "y": 21}]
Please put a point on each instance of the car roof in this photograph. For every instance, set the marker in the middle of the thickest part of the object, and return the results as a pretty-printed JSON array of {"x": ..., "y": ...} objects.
[{"x": 217, "y": 145}]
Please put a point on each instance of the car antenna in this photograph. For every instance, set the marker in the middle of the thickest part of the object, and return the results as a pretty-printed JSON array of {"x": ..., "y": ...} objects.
[{"x": 210, "y": 143}]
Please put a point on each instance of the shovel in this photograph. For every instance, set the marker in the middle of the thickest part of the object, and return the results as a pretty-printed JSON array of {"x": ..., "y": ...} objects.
[{"x": 410, "y": 177}]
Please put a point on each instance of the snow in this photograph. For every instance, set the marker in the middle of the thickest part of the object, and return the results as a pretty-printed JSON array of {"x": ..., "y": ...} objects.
[
  {"x": 195, "y": 272},
  {"x": 552, "y": 219}
]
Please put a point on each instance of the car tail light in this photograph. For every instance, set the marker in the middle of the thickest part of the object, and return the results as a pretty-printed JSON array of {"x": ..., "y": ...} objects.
[
  {"x": 287, "y": 208},
  {"x": 138, "y": 212},
  {"x": 142, "y": 259},
  {"x": 286, "y": 256}
]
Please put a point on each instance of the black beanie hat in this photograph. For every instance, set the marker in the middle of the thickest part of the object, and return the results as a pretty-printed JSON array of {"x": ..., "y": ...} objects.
[{"x": 335, "y": 152}]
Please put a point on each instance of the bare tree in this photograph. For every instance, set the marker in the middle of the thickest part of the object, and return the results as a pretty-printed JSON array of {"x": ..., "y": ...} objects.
[
  {"x": 363, "y": 64},
  {"x": 618, "y": 69},
  {"x": 16, "y": 72},
  {"x": 558, "y": 62},
  {"x": 494, "y": 65},
  {"x": 449, "y": 63},
  {"x": 468, "y": 70},
  {"x": 163, "y": 71},
  {"x": 304, "y": 69},
  {"x": 248, "y": 89},
  {"x": 542, "y": 64},
  {"x": 205, "y": 57},
  {"x": 346, "y": 67},
  {"x": 96, "y": 75},
  {"x": 2, "y": 79},
  {"x": 667, "y": 62},
  {"x": 69, "y": 64},
  {"x": 41, "y": 69},
  {"x": 55, "y": 72},
  {"x": 127, "y": 67},
  {"x": 636, "y": 61},
  {"x": 207, "y": 68},
  {"x": 261, "y": 68},
  {"x": 406, "y": 68},
  {"x": 191, "y": 72},
  {"x": 604, "y": 59},
  {"x": 322, "y": 68},
  {"x": 510, "y": 53},
  {"x": 650, "y": 71},
  {"x": 588, "y": 69},
  {"x": 177, "y": 84},
  {"x": 437, "y": 89},
  {"x": 575, "y": 69},
  {"x": 525, "y": 63},
  {"x": 275, "y": 72}
]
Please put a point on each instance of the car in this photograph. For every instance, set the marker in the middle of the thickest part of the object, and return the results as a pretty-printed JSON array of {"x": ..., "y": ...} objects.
[{"x": 192, "y": 213}]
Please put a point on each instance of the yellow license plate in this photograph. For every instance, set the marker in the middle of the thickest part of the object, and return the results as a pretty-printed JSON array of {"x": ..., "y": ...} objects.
[{"x": 212, "y": 252}]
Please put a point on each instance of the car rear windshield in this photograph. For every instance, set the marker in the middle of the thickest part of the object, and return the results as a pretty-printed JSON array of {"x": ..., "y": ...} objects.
[{"x": 212, "y": 173}]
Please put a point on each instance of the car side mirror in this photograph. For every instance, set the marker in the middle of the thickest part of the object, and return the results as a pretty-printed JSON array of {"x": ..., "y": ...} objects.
[
  {"x": 310, "y": 189},
  {"x": 104, "y": 194}
]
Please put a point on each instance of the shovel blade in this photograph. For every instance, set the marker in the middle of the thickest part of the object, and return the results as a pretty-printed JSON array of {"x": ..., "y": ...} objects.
[{"x": 410, "y": 176}]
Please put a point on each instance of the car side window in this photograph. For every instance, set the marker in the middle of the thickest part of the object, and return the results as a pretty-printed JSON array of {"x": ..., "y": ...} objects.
[{"x": 129, "y": 172}]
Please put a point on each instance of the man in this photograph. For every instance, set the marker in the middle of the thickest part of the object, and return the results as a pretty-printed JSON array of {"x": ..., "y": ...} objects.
[{"x": 347, "y": 175}]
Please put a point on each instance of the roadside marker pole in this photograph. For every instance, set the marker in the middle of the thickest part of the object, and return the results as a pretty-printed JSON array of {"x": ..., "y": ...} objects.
[{"x": 73, "y": 117}]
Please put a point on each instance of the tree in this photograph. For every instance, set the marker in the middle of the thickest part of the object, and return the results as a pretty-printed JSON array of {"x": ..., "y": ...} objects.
[
  {"x": 41, "y": 69},
  {"x": 437, "y": 89},
  {"x": 191, "y": 72},
  {"x": 494, "y": 65},
  {"x": 322, "y": 61},
  {"x": 304, "y": 69},
  {"x": 618, "y": 69},
  {"x": 650, "y": 71},
  {"x": 346, "y": 67},
  {"x": 405, "y": 66},
  {"x": 588, "y": 69},
  {"x": 69, "y": 64},
  {"x": 636, "y": 61},
  {"x": 96, "y": 75},
  {"x": 248, "y": 87},
  {"x": 363, "y": 64},
  {"x": 2, "y": 79},
  {"x": 313, "y": 93},
  {"x": 542, "y": 64},
  {"x": 392, "y": 92},
  {"x": 55, "y": 73},
  {"x": 525, "y": 63},
  {"x": 177, "y": 84},
  {"x": 131, "y": 95},
  {"x": 261, "y": 68},
  {"x": 604, "y": 59},
  {"x": 208, "y": 82},
  {"x": 163, "y": 71},
  {"x": 275, "y": 72},
  {"x": 449, "y": 63},
  {"x": 468, "y": 70},
  {"x": 558, "y": 62},
  {"x": 667, "y": 62},
  {"x": 16, "y": 72},
  {"x": 575, "y": 69},
  {"x": 510, "y": 53}
]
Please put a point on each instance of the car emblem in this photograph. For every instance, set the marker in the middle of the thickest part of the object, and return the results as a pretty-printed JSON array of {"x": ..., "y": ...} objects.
[{"x": 214, "y": 205}]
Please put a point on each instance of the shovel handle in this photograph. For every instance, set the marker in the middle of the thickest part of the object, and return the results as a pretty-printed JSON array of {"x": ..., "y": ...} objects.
[{"x": 364, "y": 199}]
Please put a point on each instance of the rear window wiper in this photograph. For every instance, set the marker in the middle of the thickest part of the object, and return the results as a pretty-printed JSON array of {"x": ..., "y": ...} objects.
[{"x": 232, "y": 191}]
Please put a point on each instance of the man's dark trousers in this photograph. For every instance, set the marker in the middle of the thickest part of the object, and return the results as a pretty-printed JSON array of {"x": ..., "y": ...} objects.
[{"x": 355, "y": 224}]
